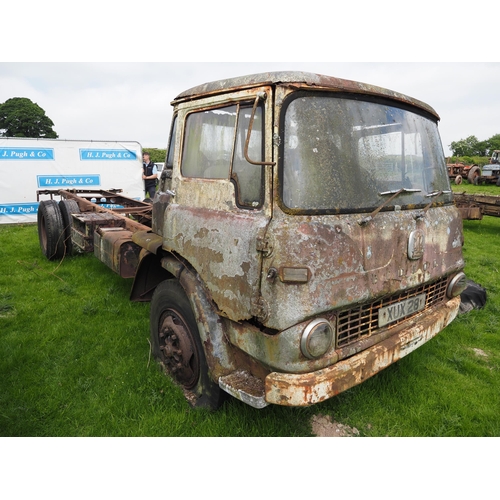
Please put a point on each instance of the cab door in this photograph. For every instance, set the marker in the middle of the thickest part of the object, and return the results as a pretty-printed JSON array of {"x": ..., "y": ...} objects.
[{"x": 222, "y": 202}]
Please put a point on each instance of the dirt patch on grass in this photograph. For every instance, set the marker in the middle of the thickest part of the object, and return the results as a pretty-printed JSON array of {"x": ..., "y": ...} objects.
[
  {"x": 479, "y": 352},
  {"x": 323, "y": 426}
]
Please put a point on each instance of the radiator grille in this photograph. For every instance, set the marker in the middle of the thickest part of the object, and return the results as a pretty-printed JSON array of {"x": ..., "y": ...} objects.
[{"x": 354, "y": 324}]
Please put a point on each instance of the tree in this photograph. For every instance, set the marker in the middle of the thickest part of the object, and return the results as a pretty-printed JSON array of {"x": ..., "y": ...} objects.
[
  {"x": 492, "y": 143},
  {"x": 157, "y": 155},
  {"x": 20, "y": 117},
  {"x": 467, "y": 147},
  {"x": 473, "y": 147}
]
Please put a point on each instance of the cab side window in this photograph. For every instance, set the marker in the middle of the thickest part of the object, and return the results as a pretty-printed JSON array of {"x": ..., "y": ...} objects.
[
  {"x": 208, "y": 144},
  {"x": 247, "y": 176},
  {"x": 214, "y": 142},
  {"x": 171, "y": 148}
]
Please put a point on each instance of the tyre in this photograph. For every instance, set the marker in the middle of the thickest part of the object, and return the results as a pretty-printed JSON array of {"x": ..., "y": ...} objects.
[
  {"x": 473, "y": 176},
  {"x": 68, "y": 207},
  {"x": 176, "y": 344},
  {"x": 473, "y": 297},
  {"x": 50, "y": 229}
]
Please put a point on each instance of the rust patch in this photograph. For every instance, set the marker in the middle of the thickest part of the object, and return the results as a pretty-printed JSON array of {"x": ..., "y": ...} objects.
[
  {"x": 310, "y": 388},
  {"x": 244, "y": 381},
  {"x": 221, "y": 246}
]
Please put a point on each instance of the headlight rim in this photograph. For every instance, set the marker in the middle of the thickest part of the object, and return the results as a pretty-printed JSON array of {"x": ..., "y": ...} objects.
[
  {"x": 307, "y": 335},
  {"x": 456, "y": 285}
]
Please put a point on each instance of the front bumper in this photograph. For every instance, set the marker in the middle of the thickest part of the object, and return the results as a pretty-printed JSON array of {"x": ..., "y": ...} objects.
[{"x": 305, "y": 389}]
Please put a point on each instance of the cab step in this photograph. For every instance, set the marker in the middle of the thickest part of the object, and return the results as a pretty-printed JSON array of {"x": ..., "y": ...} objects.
[{"x": 245, "y": 387}]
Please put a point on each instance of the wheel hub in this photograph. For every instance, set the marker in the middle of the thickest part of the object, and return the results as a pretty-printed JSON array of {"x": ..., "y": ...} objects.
[{"x": 178, "y": 348}]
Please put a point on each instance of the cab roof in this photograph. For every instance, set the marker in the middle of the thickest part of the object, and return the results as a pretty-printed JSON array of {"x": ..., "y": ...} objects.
[{"x": 299, "y": 78}]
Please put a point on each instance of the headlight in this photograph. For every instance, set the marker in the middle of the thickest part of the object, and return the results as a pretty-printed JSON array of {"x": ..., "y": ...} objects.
[
  {"x": 316, "y": 339},
  {"x": 457, "y": 285}
]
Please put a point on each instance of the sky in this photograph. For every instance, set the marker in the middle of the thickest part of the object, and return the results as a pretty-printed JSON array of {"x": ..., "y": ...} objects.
[
  {"x": 110, "y": 70},
  {"x": 130, "y": 101}
]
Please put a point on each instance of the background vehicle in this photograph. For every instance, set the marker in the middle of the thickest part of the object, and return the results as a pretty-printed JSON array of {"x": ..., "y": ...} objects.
[
  {"x": 458, "y": 171},
  {"x": 303, "y": 237},
  {"x": 488, "y": 174}
]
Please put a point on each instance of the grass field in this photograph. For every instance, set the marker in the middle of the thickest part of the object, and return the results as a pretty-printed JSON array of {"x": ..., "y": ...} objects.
[{"x": 75, "y": 361}]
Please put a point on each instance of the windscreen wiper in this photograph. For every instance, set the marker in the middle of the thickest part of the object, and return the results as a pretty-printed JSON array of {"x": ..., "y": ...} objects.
[
  {"x": 394, "y": 194},
  {"x": 437, "y": 193},
  {"x": 430, "y": 195},
  {"x": 397, "y": 192}
]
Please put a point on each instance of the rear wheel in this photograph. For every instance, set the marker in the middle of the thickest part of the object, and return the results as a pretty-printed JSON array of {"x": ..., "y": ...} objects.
[
  {"x": 68, "y": 207},
  {"x": 473, "y": 175},
  {"x": 50, "y": 229},
  {"x": 176, "y": 344}
]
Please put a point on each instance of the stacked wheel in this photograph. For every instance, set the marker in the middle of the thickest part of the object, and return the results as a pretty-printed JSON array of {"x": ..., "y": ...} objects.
[
  {"x": 51, "y": 229},
  {"x": 67, "y": 208},
  {"x": 54, "y": 227}
]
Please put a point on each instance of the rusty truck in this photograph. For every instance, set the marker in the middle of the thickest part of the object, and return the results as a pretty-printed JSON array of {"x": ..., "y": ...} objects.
[{"x": 303, "y": 237}]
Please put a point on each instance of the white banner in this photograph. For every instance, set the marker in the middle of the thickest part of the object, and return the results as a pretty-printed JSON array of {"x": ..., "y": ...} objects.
[{"x": 28, "y": 165}]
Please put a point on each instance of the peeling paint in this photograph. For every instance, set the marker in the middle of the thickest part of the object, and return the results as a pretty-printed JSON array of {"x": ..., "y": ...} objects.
[{"x": 257, "y": 272}]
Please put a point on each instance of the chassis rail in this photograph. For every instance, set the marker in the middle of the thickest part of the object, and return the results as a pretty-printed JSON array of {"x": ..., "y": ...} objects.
[
  {"x": 103, "y": 222},
  {"x": 473, "y": 207},
  {"x": 137, "y": 214}
]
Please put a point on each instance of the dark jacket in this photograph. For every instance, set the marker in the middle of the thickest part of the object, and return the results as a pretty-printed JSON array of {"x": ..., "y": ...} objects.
[{"x": 148, "y": 170}]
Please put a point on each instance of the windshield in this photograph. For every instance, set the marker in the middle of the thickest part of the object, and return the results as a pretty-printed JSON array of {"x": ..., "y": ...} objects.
[{"x": 345, "y": 155}]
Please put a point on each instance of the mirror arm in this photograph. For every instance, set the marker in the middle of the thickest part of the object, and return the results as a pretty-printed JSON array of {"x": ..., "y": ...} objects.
[{"x": 260, "y": 95}]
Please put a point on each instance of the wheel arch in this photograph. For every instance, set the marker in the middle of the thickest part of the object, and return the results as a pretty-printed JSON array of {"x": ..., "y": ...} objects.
[
  {"x": 155, "y": 268},
  {"x": 150, "y": 273},
  {"x": 211, "y": 327}
]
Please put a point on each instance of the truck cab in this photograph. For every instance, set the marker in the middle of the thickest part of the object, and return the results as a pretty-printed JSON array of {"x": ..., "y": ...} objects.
[{"x": 304, "y": 237}]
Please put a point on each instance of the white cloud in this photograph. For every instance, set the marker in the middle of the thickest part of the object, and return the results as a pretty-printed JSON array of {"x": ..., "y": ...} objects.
[{"x": 131, "y": 101}]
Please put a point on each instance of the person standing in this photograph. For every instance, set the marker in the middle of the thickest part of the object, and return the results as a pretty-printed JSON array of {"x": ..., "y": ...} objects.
[{"x": 149, "y": 175}]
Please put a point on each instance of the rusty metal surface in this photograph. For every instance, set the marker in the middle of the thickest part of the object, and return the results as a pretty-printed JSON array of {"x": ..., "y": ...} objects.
[
  {"x": 148, "y": 240},
  {"x": 357, "y": 329},
  {"x": 222, "y": 247},
  {"x": 245, "y": 387},
  {"x": 307, "y": 389},
  {"x": 137, "y": 209},
  {"x": 474, "y": 206},
  {"x": 114, "y": 247},
  {"x": 470, "y": 213},
  {"x": 268, "y": 273},
  {"x": 86, "y": 223},
  {"x": 349, "y": 263},
  {"x": 298, "y": 78},
  {"x": 455, "y": 169},
  {"x": 218, "y": 351}
]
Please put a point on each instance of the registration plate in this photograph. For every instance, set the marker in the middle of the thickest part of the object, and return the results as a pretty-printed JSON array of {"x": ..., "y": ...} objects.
[{"x": 399, "y": 310}]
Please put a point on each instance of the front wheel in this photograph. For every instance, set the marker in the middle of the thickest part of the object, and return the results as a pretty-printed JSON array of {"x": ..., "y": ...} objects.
[{"x": 176, "y": 344}]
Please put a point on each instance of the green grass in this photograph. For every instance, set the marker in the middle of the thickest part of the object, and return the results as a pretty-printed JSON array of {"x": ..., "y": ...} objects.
[
  {"x": 74, "y": 361},
  {"x": 465, "y": 187}
]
